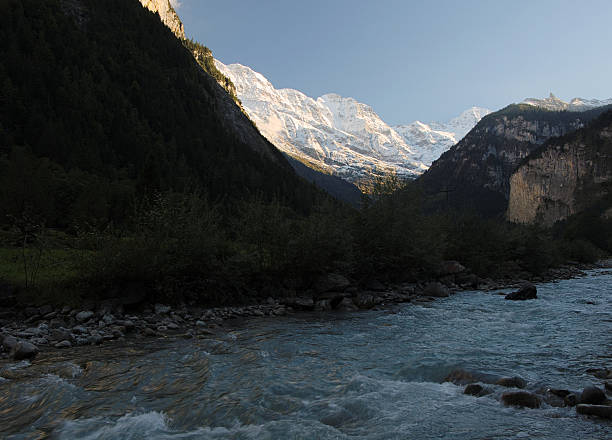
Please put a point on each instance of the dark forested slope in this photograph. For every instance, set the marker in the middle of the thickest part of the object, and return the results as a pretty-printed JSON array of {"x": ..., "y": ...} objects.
[{"x": 118, "y": 107}]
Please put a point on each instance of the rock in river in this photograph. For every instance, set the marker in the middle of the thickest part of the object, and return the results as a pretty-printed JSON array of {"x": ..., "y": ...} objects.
[
  {"x": 511, "y": 382},
  {"x": 436, "y": 289},
  {"x": 24, "y": 350},
  {"x": 603, "y": 411},
  {"x": 593, "y": 396},
  {"x": 527, "y": 291},
  {"x": 522, "y": 399}
]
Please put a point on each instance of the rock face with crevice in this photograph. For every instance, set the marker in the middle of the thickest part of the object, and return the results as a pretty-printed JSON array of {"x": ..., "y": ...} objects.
[
  {"x": 566, "y": 176},
  {"x": 475, "y": 174},
  {"x": 167, "y": 14}
]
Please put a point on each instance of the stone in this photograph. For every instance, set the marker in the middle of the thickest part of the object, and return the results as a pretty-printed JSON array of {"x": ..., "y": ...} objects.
[
  {"x": 571, "y": 399},
  {"x": 593, "y": 396},
  {"x": 521, "y": 399},
  {"x": 451, "y": 268},
  {"x": 63, "y": 344},
  {"x": 346, "y": 305},
  {"x": 172, "y": 326},
  {"x": 511, "y": 382},
  {"x": 331, "y": 282},
  {"x": 559, "y": 392},
  {"x": 366, "y": 301},
  {"x": 59, "y": 334},
  {"x": 24, "y": 350},
  {"x": 323, "y": 305},
  {"x": 460, "y": 377},
  {"x": 527, "y": 291},
  {"x": 300, "y": 303},
  {"x": 79, "y": 329},
  {"x": 84, "y": 316},
  {"x": 608, "y": 386},
  {"x": 96, "y": 338},
  {"x": 602, "y": 411},
  {"x": 149, "y": 332},
  {"x": 108, "y": 319},
  {"x": 39, "y": 341},
  {"x": 436, "y": 289},
  {"x": 161, "y": 309},
  {"x": 477, "y": 390},
  {"x": 9, "y": 342}
]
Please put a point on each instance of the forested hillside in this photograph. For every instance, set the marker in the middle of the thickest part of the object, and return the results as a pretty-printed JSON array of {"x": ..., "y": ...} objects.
[{"x": 118, "y": 108}]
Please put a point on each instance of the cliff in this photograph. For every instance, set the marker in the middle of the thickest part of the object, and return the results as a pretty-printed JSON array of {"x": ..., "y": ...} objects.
[
  {"x": 167, "y": 14},
  {"x": 475, "y": 173},
  {"x": 564, "y": 177}
]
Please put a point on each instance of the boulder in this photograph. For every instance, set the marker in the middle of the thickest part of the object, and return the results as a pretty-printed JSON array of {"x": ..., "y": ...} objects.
[
  {"x": 366, "y": 301},
  {"x": 460, "y": 377},
  {"x": 603, "y": 411},
  {"x": 608, "y": 386},
  {"x": 451, "y": 268},
  {"x": 346, "y": 305},
  {"x": 24, "y": 350},
  {"x": 477, "y": 390},
  {"x": 331, "y": 282},
  {"x": 593, "y": 396},
  {"x": 521, "y": 399},
  {"x": 527, "y": 291},
  {"x": 9, "y": 342},
  {"x": 84, "y": 316},
  {"x": 437, "y": 290},
  {"x": 511, "y": 382},
  {"x": 63, "y": 344}
]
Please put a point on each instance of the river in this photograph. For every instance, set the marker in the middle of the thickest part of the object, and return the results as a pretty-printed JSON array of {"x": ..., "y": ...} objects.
[{"x": 362, "y": 375}]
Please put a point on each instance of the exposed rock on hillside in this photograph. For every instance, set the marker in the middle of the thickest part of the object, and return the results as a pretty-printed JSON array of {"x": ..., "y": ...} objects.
[
  {"x": 167, "y": 14},
  {"x": 566, "y": 176},
  {"x": 477, "y": 170}
]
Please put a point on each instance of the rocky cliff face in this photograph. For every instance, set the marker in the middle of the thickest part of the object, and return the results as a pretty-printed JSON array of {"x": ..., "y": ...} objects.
[
  {"x": 477, "y": 170},
  {"x": 564, "y": 177},
  {"x": 167, "y": 14}
]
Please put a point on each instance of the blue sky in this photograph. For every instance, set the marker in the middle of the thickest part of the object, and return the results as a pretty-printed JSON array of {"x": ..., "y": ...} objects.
[{"x": 426, "y": 60}]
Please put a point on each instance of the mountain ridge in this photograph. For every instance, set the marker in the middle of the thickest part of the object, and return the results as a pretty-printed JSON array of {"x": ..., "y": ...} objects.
[{"x": 340, "y": 134}]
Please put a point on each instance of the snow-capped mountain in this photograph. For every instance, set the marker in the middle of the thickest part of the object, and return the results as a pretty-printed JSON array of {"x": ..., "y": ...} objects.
[
  {"x": 341, "y": 134},
  {"x": 575, "y": 105},
  {"x": 433, "y": 139}
]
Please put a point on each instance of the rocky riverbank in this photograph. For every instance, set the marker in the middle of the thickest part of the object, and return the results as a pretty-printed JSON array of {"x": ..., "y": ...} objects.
[{"x": 25, "y": 331}]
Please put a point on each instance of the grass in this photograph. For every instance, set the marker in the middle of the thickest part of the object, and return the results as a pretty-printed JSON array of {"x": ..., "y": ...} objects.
[{"x": 49, "y": 267}]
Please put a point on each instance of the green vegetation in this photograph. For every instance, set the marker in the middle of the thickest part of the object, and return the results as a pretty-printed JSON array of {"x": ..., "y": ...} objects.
[{"x": 204, "y": 57}]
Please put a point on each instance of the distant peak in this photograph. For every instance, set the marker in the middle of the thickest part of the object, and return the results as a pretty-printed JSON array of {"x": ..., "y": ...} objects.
[{"x": 575, "y": 105}]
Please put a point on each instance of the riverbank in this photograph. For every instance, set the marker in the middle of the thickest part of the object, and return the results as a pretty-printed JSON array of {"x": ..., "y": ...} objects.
[{"x": 25, "y": 331}]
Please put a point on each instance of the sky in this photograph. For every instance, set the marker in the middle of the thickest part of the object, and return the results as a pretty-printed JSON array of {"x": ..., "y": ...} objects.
[{"x": 415, "y": 60}]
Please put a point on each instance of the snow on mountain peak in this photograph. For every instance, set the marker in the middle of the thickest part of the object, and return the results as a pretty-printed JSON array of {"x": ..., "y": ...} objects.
[
  {"x": 341, "y": 134},
  {"x": 575, "y": 105}
]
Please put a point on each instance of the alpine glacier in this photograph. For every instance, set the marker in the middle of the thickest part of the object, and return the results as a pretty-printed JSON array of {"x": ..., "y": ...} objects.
[{"x": 341, "y": 135}]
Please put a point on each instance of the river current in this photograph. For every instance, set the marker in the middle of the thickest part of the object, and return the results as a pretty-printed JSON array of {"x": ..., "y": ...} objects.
[{"x": 362, "y": 375}]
